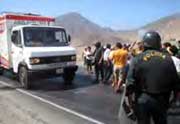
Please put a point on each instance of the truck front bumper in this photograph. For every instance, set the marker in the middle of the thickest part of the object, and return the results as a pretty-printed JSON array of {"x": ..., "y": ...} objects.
[
  {"x": 71, "y": 68},
  {"x": 55, "y": 71}
]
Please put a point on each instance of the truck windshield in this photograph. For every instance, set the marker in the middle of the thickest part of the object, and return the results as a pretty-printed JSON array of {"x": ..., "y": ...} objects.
[{"x": 44, "y": 36}]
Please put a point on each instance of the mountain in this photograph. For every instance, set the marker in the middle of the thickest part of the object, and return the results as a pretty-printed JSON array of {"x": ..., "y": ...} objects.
[
  {"x": 85, "y": 32},
  {"x": 160, "y": 23},
  {"x": 169, "y": 27}
]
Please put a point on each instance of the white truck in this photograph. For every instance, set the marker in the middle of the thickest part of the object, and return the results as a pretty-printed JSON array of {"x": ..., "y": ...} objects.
[{"x": 30, "y": 44}]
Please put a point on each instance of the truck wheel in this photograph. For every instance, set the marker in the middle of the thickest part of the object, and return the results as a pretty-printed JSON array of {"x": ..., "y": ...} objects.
[
  {"x": 68, "y": 77},
  {"x": 23, "y": 77},
  {"x": 1, "y": 71}
]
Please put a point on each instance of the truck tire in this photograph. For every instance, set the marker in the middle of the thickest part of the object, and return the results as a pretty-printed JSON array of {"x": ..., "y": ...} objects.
[
  {"x": 68, "y": 77},
  {"x": 23, "y": 77},
  {"x": 1, "y": 70}
]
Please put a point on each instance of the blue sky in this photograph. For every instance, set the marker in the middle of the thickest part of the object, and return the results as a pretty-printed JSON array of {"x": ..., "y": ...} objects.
[{"x": 117, "y": 14}]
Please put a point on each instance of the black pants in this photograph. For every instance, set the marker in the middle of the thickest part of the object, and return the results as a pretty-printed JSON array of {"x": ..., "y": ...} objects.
[
  {"x": 99, "y": 70},
  {"x": 149, "y": 107},
  {"x": 89, "y": 65},
  {"x": 108, "y": 70}
]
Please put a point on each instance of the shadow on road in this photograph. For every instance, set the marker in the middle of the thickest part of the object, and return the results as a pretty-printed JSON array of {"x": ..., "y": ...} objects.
[{"x": 44, "y": 83}]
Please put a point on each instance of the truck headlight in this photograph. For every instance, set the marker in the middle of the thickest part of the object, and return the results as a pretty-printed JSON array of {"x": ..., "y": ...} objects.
[
  {"x": 34, "y": 60},
  {"x": 73, "y": 58}
]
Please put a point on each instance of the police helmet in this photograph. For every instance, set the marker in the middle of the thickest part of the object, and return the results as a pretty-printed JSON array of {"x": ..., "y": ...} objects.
[{"x": 152, "y": 40}]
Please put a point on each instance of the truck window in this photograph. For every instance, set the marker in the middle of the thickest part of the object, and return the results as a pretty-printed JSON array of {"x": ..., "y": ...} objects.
[
  {"x": 44, "y": 36},
  {"x": 17, "y": 38},
  {"x": 61, "y": 36}
]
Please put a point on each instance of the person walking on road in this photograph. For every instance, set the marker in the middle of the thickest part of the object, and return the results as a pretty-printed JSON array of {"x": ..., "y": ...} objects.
[
  {"x": 89, "y": 59},
  {"x": 84, "y": 56},
  {"x": 152, "y": 77},
  {"x": 108, "y": 67},
  {"x": 119, "y": 58},
  {"x": 173, "y": 50},
  {"x": 98, "y": 62},
  {"x": 178, "y": 54}
]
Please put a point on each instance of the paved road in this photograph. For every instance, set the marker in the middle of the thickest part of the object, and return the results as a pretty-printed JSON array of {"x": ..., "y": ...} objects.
[
  {"x": 95, "y": 101},
  {"x": 18, "y": 108}
]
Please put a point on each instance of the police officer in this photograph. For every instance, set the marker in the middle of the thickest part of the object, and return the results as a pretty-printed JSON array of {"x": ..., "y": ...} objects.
[{"x": 152, "y": 77}]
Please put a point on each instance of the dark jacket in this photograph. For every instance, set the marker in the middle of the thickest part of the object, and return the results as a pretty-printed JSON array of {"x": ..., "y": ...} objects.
[
  {"x": 152, "y": 72},
  {"x": 98, "y": 54}
]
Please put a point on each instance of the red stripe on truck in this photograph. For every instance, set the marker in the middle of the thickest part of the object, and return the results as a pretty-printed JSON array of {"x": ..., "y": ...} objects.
[
  {"x": 2, "y": 18},
  {"x": 29, "y": 18},
  {"x": 4, "y": 62},
  {"x": 6, "y": 67}
]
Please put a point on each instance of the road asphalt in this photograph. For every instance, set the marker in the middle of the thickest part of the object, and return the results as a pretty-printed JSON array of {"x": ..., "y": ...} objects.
[{"x": 52, "y": 102}]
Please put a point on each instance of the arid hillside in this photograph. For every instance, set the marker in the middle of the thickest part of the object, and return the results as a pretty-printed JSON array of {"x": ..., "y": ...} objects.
[
  {"x": 168, "y": 27},
  {"x": 85, "y": 32}
]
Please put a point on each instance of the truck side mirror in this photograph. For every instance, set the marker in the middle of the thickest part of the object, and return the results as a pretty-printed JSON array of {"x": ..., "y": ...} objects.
[
  {"x": 13, "y": 37},
  {"x": 69, "y": 38}
]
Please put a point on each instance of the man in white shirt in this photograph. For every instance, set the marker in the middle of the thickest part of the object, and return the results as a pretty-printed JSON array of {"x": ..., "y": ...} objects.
[
  {"x": 173, "y": 50},
  {"x": 176, "y": 63},
  {"x": 107, "y": 64},
  {"x": 89, "y": 58}
]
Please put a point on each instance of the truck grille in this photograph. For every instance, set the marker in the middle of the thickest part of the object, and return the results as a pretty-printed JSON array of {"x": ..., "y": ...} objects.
[{"x": 55, "y": 59}]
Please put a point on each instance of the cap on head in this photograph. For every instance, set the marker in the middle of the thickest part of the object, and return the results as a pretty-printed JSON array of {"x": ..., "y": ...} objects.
[{"x": 152, "y": 40}]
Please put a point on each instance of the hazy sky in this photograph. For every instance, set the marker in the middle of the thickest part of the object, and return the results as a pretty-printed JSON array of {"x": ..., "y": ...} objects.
[{"x": 117, "y": 14}]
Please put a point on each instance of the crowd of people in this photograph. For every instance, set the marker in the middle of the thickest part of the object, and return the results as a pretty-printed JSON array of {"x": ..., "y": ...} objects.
[
  {"x": 111, "y": 64},
  {"x": 150, "y": 69}
]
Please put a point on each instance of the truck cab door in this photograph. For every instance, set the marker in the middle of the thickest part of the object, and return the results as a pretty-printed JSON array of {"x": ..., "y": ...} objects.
[{"x": 16, "y": 50}]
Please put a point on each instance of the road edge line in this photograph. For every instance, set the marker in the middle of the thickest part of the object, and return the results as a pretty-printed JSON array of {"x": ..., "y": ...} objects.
[{"x": 53, "y": 104}]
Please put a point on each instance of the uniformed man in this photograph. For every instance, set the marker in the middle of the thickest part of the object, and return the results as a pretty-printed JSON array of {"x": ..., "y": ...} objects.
[{"x": 152, "y": 77}]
